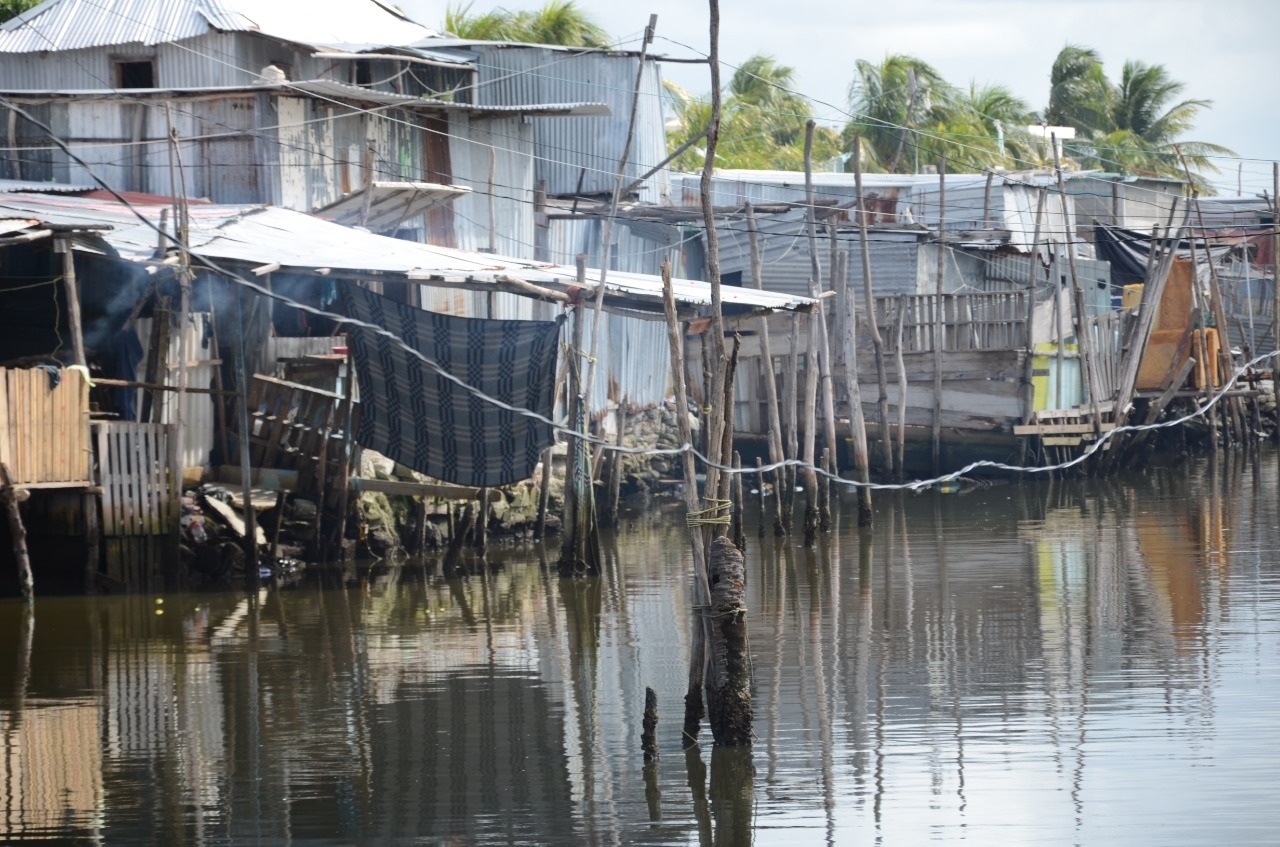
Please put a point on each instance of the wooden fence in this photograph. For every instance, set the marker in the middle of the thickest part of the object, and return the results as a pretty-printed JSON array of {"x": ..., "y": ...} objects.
[
  {"x": 970, "y": 321},
  {"x": 44, "y": 430}
]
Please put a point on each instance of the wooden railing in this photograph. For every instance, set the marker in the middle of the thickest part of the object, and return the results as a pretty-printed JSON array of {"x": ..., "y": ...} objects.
[{"x": 970, "y": 321}]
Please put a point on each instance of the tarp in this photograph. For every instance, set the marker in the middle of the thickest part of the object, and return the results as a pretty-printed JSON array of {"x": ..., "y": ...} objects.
[
  {"x": 414, "y": 414},
  {"x": 1128, "y": 252}
]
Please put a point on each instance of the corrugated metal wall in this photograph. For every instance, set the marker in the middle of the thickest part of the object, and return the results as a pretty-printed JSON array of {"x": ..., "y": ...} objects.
[
  {"x": 506, "y": 146},
  {"x": 590, "y": 147}
]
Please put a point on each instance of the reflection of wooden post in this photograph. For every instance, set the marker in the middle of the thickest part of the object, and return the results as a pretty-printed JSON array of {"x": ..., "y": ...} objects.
[{"x": 11, "y": 497}]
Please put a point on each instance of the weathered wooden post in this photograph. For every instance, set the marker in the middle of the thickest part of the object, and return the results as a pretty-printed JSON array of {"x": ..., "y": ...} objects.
[
  {"x": 760, "y": 498},
  {"x": 736, "y": 528},
  {"x": 817, "y": 326},
  {"x": 648, "y": 738},
  {"x": 776, "y": 453},
  {"x": 868, "y": 290},
  {"x": 1084, "y": 324},
  {"x": 580, "y": 552},
  {"x": 729, "y": 701},
  {"x": 694, "y": 705},
  {"x": 861, "y": 459},
  {"x": 939, "y": 328},
  {"x": 11, "y": 497}
]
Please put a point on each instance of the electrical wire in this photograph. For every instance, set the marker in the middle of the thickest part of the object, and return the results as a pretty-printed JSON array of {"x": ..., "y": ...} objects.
[{"x": 603, "y": 444}]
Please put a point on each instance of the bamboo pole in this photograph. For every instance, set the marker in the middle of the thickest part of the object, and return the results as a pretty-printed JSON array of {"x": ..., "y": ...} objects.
[
  {"x": 606, "y": 228},
  {"x": 1084, "y": 328},
  {"x": 579, "y": 552},
  {"x": 938, "y": 328},
  {"x": 791, "y": 405},
  {"x": 877, "y": 343},
  {"x": 861, "y": 460},
  {"x": 817, "y": 327},
  {"x": 1232, "y": 415},
  {"x": 1028, "y": 383},
  {"x": 760, "y": 498},
  {"x": 737, "y": 530},
  {"x": 1275, "y": 277},
  {"x": 902, "y": 391},
  {"x": 776, "y": 454},
  {"x": 694, "y": 703}
]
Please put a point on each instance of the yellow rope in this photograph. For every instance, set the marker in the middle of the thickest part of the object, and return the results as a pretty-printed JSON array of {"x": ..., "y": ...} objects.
[{"x": 708, "y": 516}]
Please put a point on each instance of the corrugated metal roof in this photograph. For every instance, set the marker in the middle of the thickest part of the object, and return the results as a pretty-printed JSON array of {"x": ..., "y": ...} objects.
[
  {"x": 8, "y": 186},
  {"x": 262, "y": 235},
  {"x": 76, "y": 24},
  {"x": 391, "y": 203},
  {"x": 331, "y": 89}
]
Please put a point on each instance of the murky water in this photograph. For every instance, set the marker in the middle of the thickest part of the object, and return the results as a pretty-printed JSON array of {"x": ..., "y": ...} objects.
[{"x": 1053, "y": 663}]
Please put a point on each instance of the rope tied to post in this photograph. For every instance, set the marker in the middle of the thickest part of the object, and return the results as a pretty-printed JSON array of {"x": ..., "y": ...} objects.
[{"x": 711, "y": 515}]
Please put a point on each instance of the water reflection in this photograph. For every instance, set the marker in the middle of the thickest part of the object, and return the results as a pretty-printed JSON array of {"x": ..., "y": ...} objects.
[{"x": 1054, "y": 663}]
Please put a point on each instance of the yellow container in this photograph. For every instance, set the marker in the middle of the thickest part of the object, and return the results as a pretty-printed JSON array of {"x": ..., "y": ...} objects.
[{"x": 1131, "y": 296}]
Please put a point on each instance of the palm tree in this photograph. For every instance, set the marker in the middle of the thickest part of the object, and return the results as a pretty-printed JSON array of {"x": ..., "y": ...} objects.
[
  {"x": 895, "y": 104},
  {"x": 1132, "y": 126},
  {"x": 1079, "y": 93},
  {"x": 762, "y": 121},
  {"x": 560, "y": 22}
]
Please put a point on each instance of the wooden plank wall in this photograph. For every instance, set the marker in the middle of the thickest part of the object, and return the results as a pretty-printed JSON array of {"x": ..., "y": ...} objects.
[
  {"x": 133, "y": 464},
  {"x": 44, "y": 432}
]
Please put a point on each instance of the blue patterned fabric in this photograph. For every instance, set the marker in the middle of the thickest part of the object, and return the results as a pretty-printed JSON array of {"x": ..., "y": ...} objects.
[{"x": 409, "y": 412}]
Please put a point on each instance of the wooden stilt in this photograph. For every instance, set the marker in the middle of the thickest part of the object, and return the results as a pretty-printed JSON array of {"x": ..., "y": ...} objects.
[
  {"x": 1084, "y": 323},
  {"x": 10, "y": 497},
  {"x": 776, "y": 451},
  {"x": 861, "y": 457},
  {"x": 938, "y": 322},
  {"x": 902, "y": 391},
  {"x": 729, "y": 701},
  {"x": 544, "y": 494},
  {"x": 811, "y": 372},
  {"x": 694, "y": 703},
  {"x": 736, "y": 525},
  {"x": 873, "y": 328},
  {"x": 760, "y": 498},
  {"x": 824, "y": 492},
  {"x": 648, "y": 736}
]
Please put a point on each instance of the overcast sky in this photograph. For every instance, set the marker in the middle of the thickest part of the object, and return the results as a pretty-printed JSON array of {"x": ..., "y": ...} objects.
[{"x": 1224, "y": 50}]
